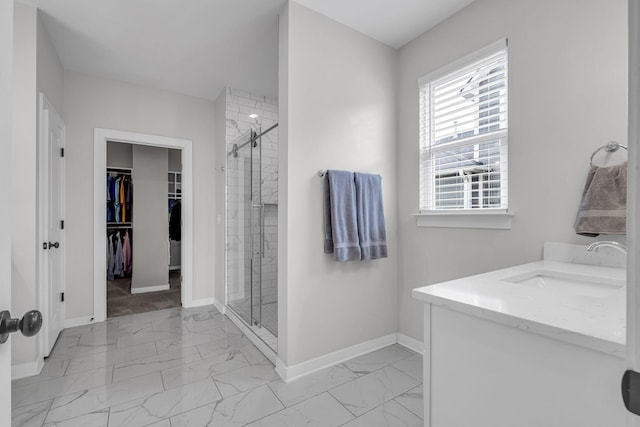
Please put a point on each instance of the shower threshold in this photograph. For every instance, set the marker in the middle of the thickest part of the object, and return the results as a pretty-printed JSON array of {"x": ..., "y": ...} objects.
[{"x": 260, "y": 336}]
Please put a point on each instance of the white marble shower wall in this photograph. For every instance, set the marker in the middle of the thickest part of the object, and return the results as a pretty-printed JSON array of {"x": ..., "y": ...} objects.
[{"x": 239, "y": 106}]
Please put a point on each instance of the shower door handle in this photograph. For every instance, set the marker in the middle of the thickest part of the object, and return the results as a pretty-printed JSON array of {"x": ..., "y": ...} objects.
[
  {"x": 261, "y": 207},
  {"x": 262, "y": 215}
]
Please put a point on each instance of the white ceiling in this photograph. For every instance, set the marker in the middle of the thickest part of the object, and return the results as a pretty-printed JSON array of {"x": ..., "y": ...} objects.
[
  {"x": 197, "y": 47},
  {"x": 194, "y": 47}
]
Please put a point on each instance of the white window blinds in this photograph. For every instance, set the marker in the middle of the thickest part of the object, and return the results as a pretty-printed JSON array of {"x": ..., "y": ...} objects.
[{"x": 463, "y": 134}]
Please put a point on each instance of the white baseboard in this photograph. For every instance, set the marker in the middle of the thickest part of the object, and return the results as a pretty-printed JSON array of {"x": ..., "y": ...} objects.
[
  {"x": 145, "y": 289},
  {"x": 78, "y": 321},
  {"x": 220, "y": 306},
  {"x": 25, "y": 370},
  {"x": 411, "y": 343},
  {"x": 289, "y": 373},
  {"x": 200, "y": 302}
]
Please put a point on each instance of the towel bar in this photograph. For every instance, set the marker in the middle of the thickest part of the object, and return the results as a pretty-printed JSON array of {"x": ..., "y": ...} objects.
[
  {"x": 322, "y": 173},
  {"x": 609, "y": 147}
]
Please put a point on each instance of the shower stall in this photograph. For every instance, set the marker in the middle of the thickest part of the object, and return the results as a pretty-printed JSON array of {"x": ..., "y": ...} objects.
[{"x": 252, "y": 231}]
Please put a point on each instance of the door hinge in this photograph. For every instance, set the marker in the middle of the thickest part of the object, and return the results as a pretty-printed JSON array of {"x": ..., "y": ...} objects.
[
  {"x": 61, "y": 296},
  {"x": 62, "y": 224},
  {"x": 62, "y": 152}
]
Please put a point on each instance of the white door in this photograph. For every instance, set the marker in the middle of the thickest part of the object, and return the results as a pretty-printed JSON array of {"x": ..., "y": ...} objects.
[
  {"x": 52, "y": 216},
  {"x": 633, "y": 219},
  {"x": 6, "y": 61}
]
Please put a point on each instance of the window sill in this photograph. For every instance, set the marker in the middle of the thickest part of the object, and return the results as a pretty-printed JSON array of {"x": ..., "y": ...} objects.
[{"x": 494, "y": 219}]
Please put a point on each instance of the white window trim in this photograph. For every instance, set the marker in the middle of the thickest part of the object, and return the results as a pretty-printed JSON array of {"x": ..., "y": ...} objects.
[
  {"x": 465, "y": 60},
  {"x": 499, "y": 219},
  {"x": 465, "y": 218}
]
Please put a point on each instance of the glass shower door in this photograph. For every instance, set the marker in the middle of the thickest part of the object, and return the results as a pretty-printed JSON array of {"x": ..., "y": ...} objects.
[
  {"x": 251, "y": 232},
  {"x": 244, "y": 231}
]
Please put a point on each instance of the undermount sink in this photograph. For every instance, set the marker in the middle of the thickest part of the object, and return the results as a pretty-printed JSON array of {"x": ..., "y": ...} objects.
[{"x": 565, "y": 283}]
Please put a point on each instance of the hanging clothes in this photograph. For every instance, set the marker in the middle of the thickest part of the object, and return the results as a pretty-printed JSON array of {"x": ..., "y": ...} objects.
[
  {"x": 110, "y": 184},
  {"x": 128, "y": 198},
  {"x": 116, "y": 202},
  {"x": 118, "y": 269},
  {"x": 126, "y": 253},
  {"x": 119, "y": 253},
  {"x": 111, "y": 259},
  {"x": 123, "y": 199},
  {"x": 175, "y": 226}
]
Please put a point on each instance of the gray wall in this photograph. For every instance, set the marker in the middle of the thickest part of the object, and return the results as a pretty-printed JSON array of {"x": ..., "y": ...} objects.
[
  {"x": 119, "y": 155},
  {"x": 91, "y": 102},
  {"x": 567, "y": 96},
  {"x": 150, "y": 230},
  {"x": 337, "y": 104},
  {"x": 36, "y": 69},
  {"x": 175, "y": 160},
  {"x": 50, "y": 73}
]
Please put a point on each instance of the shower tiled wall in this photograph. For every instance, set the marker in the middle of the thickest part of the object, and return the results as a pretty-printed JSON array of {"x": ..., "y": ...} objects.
[{"x": 239, "y": 105}]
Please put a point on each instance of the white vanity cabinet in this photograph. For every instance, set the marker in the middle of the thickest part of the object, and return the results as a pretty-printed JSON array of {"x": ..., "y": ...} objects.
[{"x": 526, "y": 347}]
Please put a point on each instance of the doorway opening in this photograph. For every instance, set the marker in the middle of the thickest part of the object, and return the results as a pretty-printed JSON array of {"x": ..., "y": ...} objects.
[
  {"x": 143, "y": 228},
  {"x": 123, "y": 216}
]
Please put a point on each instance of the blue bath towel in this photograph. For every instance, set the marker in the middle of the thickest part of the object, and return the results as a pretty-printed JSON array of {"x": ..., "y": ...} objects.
[
  {"x": 341, "y": 224},
  {"x": 371, "y": 228}
]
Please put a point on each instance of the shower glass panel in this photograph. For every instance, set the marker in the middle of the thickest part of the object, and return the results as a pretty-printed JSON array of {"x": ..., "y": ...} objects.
[{"x": 251, "y": 233}]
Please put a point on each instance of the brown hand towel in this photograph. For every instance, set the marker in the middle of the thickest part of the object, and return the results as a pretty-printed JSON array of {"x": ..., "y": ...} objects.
[{"x": 603, "y": 209}]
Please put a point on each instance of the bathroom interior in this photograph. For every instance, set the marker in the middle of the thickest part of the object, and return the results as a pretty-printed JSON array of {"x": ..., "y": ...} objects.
[{"x": 498, "y": 291}]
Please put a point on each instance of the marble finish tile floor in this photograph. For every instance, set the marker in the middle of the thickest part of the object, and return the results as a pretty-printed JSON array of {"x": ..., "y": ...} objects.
[{"x": 193, "y": 367}]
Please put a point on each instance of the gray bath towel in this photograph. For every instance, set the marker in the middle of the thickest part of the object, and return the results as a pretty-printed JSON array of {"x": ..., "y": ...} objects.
[
  {"x": 371, "y": 227},
  {"x": 341, "y": 226},
  {"x": 603, "y": 209}
]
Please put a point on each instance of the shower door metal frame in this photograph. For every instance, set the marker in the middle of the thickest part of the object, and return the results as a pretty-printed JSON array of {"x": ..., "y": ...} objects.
[{"x": 256, "y": 255}]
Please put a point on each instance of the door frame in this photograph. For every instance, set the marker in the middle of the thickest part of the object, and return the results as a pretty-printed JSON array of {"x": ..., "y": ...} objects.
[
  {"x": 44, "y": 109},
  {"x": 100, "y": 138},
  {"x": 6, "y": 140}
]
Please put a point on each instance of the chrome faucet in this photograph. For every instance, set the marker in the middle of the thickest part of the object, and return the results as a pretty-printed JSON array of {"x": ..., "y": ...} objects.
[{"x": 607, "y": 243}]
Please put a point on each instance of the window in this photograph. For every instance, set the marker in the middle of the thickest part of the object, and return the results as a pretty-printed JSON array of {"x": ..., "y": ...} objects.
[{"x": 463, "y": 134}]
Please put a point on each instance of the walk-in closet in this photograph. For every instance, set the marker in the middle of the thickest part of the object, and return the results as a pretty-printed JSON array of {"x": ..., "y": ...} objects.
[{"x": 144, "y": 227}]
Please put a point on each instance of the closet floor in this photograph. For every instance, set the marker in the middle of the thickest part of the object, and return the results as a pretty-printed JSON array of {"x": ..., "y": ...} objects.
[{"x": 120, "y": 301}]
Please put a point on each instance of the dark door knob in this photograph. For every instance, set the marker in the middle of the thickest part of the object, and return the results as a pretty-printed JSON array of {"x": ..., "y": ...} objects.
[
  {"x": 29, "y": 325},
  {"x": 55, "y": 245}
]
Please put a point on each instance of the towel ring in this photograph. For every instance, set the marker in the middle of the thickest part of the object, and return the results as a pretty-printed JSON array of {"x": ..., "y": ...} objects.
[{"x": 609, "y": 147}]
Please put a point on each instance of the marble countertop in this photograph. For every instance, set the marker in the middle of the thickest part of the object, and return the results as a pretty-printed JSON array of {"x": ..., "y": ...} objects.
[{"x": 596, "y": 322}]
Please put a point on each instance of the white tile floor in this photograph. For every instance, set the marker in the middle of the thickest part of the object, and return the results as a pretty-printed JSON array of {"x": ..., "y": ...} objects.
[{"x": 193, "y": 367}]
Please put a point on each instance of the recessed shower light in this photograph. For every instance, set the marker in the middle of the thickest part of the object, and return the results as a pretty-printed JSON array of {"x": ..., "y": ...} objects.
[{"x": 253, "y": 115}]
